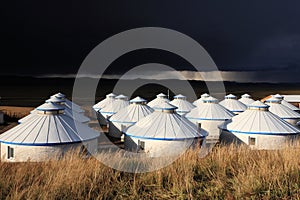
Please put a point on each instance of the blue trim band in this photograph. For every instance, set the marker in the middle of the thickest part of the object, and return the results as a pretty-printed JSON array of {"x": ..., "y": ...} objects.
[
  {"x": 122, "y": 122},
  {"x": 208, "y": 119},
  {"x": 261, "y": 133},
  {"x": 167, "y": 139},
  {"x": 43, "y": 144}
]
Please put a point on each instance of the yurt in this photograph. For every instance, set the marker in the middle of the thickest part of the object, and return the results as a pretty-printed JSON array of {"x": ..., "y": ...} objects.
[
  {"x": 97, "y": 107},
  {"x": 232, "y": 104},
  {"x": 282, "y": 111},
  {"x": 285, "y": 103},
  {"x": 48, "y": 134},
  {"x": 80, "y": 117},
  {"x": 209, "y": 116},
  {"x": 246, "y": 99},
  {"x": 160, "y": 98},
  {"x": 128, "y": 116},
  {"x": 68, "y": 103},
  {"x": 121, "y": 101},
  {"x": 200, "y": 100},
  {"x": 258, "y": 128},
  {"x": 183, "y": 106},
  {"x": 101, "y": 104},
  {"x": 163, "y": 133}
]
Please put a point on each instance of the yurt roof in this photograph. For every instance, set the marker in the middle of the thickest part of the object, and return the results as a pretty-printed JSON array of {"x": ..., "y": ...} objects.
[
  {"x": 59, "y": 95},
  {"x": 50, "y": 106},
  {"x": 164, "y": 106},
  {"x": 281, "y": 110},
  {"x": 290, "y": 106},
  {"x": 210, "y": 110},
  {"x": 165, "y": 126},
  {"x": 278, "y": 96},
  {"x": 160, "y": 98},
  {"x": 246, "y": 99},
  {"x": 67, "y": 111},
  {"x": 200, "y": 100},
  {"x": 101, "y": 104},
  {"x": 115, "y": 106},
  {"x": 232, "y": 104},
  {"x": 121, "y": 96},
  {"x": 230, "y": 96},
  {"x": 182, "y": 104},
  {"x": 179, "y": 96},
  {"x": 47, "y": 130},
  {"x": 256, "y": 121},
  {"x": 246, "y": 96},
  {"x": 161, "y": 95},
  {"x": 55, "y": 99},
  {"x": 131, "y": 113},
  {"x": 73, "y": 106},
  {"x": 138, "y": 100}
]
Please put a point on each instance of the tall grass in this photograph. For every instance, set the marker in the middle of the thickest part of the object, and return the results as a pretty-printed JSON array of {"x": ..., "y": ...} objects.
[{"x": 226, "y": 173}]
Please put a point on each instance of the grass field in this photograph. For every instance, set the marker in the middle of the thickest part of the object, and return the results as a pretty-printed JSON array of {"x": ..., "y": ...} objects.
[{"x": 226, "y": 173}]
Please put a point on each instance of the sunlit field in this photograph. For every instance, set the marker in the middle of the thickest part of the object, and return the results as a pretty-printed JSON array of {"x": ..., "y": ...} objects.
[{"x": 227, "y": 172}]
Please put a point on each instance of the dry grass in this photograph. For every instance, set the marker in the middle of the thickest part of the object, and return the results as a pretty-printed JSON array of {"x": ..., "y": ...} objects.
[{"x": 228, "y": 172}]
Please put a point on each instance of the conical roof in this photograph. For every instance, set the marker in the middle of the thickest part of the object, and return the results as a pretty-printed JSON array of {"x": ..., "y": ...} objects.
[
  {"x": 132, "y": 113},
  {"x": 232, "y": 104},
  {"x": 246, "y": 99},
  {"x": 164, "y": 106},
  {"x": 55, "y": 99},
  {"x": 50, "y": 106},
  {"x": 48, "y": 129},
  {"x": 115, "y": 106},
  {"x": 138, "y": 100},
  {"x": 258, "y": 120},
  {"x": 59, "y": 95},
  {"x": 68, "y": 103},
  {"x": 200, "y": 100},
  {"x": 285, "y": 103},
  {"x": 290, "y": 106},
  {"x": 101, "y": 104},
  {"x": 160, "y": 98},
  {"x": 210, "y": 110},
  {"x": 165, "y": 126},
  {"x": 280, "y": 110},
  {"x": 183, "y": 106}
]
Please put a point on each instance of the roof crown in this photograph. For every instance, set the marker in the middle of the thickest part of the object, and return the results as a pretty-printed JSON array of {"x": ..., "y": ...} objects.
[
  {"x": 137, "y": 100},
  {"x": 246, "y": 96},
  {"x": 230, "y": 96}
]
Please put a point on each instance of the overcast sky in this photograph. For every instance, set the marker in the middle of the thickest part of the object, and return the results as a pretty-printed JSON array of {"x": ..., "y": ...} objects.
[{"x": 40, "y": 37}]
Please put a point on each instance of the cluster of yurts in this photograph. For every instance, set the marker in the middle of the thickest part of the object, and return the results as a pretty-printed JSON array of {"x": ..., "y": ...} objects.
[
  {"x": 159, "y": 127},
  {"x": 162, "y": 125}
]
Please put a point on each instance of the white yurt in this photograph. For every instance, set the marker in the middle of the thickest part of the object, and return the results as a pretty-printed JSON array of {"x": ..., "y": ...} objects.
[
  {"x": 246, "y": 99},
  {"x": 200, "y": 100},
  {"x": 126, "y": 117},
  {"x": 285, "y": 103},
  {"x": 258, "y": 128},
  {"x": 68, "y": 103},
  {"x": 160, "y": 98},
  {"x": 232, "y": 104},
  {"x": 209, "y": 116},
  {"x": 163, "y": 133},
  {"x": 282, "y": 111},
  {"x": 183, "y": 106},
  {"x": 80, "y": 117},
  {"x": 48, "y": 134},
  {"x": 121, "y": 101},
  {"x": 101, "y": 104}
]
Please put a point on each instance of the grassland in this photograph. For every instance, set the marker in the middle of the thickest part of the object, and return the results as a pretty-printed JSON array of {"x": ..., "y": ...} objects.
[{"x": 226, "y": 173}]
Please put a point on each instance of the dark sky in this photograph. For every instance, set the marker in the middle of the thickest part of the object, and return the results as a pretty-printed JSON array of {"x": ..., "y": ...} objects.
[{"x": 53, "y": 37}]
